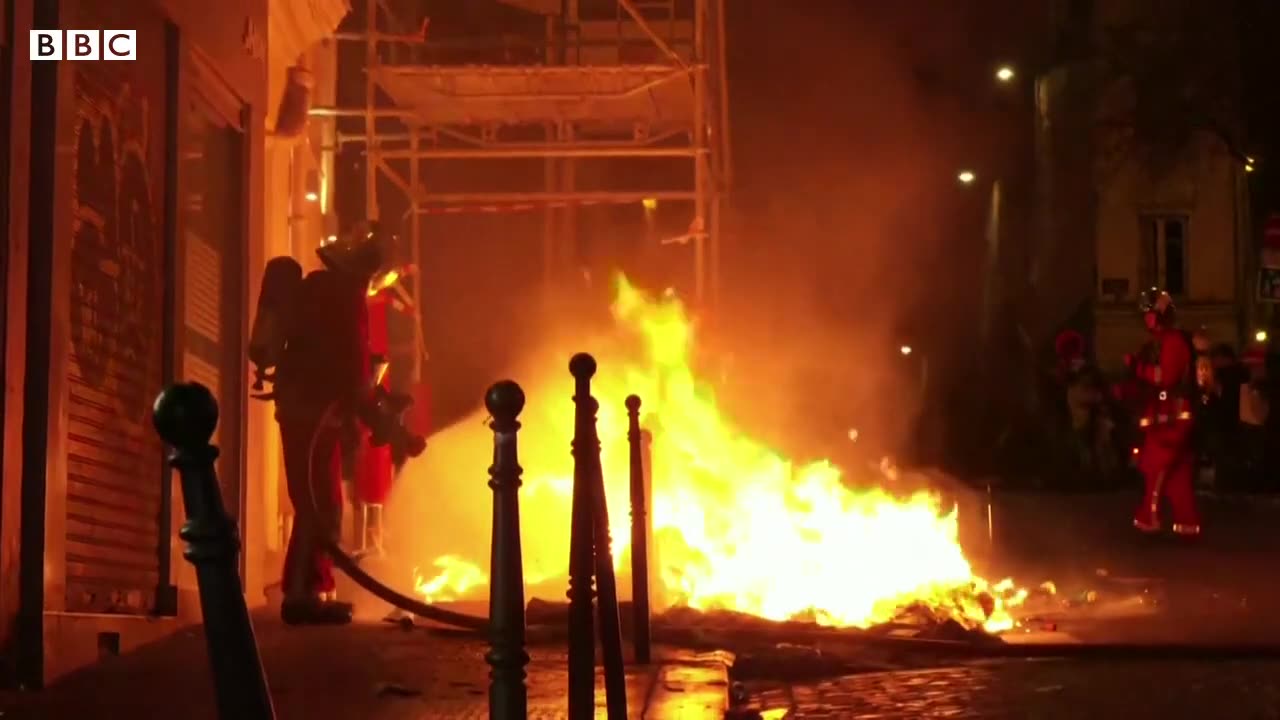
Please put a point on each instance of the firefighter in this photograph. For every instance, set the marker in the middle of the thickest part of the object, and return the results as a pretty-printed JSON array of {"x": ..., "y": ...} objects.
[
  {"x": 322, "y": 384},
  {"x": 1167, "y": 458},
  {"x": 380, "y": 464}
]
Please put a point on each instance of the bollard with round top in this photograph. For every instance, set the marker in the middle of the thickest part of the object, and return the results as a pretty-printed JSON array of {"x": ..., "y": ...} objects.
[
  {"x": 641, "y": 636},
  {"x": 185, "y": 416},
  {"x": 590, "y": 554},
  {"x": 507, "y": 657},
  {"x": 582, "y": 682},
  {"x": 653, "y": 559}
]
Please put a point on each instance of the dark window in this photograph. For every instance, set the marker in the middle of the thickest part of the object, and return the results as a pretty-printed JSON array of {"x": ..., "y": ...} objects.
[
  {"x": 1175, "y": 248},
  {"x": 1163, "y": 260}
]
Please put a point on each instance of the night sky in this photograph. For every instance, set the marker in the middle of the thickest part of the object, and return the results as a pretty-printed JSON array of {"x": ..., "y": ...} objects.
[{"x": 850, "y": 121}]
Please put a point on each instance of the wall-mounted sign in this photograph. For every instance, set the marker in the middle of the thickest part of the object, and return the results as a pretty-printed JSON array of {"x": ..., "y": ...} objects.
[
  {"x": 1115, "y": 288},
  {"x": 1269, "y": 285}
]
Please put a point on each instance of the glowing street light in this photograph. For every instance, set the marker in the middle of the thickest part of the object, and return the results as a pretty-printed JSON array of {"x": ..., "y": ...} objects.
[
  {"x": 1249, "y": 164},
  {"x": 966, "y": 177},
  {"x": 650, "y": 204},
  {"x": 1260, "y": 336},
  {"x": 312, "y": 196},
  {"x": 905, "y": 349},
  {"x": 1005, "y": 73}
]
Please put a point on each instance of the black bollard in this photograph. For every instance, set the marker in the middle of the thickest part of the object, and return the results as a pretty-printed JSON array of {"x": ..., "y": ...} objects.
[
  {"x": 508, "y": 696},
  {"x": 582, "y": 680},
  {"x": 615, "y": 677},
  {"x": 654, "y": 558},
  {"x": 639, "y": 537},
  {"x": 185, "y": 416}
]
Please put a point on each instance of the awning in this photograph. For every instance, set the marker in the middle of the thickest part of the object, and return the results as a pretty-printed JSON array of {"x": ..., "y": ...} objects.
[{"x": 295, "y": 25}]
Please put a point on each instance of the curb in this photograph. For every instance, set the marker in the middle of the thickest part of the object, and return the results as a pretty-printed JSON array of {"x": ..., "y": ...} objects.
[{"x": 690, "y": 685}]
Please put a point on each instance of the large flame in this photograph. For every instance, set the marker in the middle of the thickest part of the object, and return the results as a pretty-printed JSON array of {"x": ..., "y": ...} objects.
[{"x": 736, "y": 526}]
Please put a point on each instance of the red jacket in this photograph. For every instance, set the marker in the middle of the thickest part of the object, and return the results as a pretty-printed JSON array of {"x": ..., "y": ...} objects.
[
  {"x": 373, "y": 478},
  {"x": 1170, "y": 376}
]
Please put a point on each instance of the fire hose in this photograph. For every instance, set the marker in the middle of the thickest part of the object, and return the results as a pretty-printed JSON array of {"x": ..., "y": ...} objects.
[
  {"x": 351, "y": 567},
  {"x": 1000, "y": 649}
]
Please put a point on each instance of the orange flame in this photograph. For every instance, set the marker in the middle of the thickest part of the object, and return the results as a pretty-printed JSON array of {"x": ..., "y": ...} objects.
[{"x": 736, "y": 525}]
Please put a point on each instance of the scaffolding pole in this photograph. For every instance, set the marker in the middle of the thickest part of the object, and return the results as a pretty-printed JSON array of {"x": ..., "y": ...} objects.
[
  {"x": 555, "y": 150},
  {"x": 724, "y": 174},
  {"x": 707, "y": 148},
  {"x": 550, "y": 216},
  {"x": 550, "y": 247},
  {"x": 415, "y": 257},
  {"x": 568, "y": 184},
  {"x": 722, "y": 65},
  {"x": 699, "y": 132},
  {"x": 662, "y": 45},
  {"x": 372, "y": 161},
  {"x": 581, "y": 197},
  {"x": 476, "y": 142}
]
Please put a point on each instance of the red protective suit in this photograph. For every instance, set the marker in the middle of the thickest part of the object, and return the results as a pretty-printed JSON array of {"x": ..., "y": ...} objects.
[
  {"x": 1168, "y": 458},
  {"x": 374, "y": 476},
  {"x": 323, "y": 377}
]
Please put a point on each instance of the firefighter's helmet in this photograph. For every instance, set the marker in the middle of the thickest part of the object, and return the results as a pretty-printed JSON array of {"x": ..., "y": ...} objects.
[
  {"x": 1157, "y": 302},
  {"x": 363, "y": 251}
]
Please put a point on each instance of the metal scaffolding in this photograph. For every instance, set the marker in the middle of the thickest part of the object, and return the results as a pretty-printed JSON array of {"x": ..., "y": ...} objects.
[{"x": 650, "y": 82}]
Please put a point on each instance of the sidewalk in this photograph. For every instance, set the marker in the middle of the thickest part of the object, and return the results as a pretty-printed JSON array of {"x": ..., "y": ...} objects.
[
  {"x": 1047, "y": 690},
  {"x": 365, "y": 671}
]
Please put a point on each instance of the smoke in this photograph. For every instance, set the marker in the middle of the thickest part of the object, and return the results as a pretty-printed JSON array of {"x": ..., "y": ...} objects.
[
  {"x": 846, "y": 238},
  {"x": 852, "y": 236},
  {"x": 442, "y": 504}
]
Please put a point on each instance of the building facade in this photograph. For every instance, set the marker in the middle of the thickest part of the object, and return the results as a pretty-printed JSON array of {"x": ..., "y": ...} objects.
[
  {"x": 136, "y": 203},
  {"x": 1158, "y": 194}
]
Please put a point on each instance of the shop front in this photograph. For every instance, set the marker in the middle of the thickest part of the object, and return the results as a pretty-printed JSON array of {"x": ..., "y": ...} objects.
[{"x": 135, "y": 226}]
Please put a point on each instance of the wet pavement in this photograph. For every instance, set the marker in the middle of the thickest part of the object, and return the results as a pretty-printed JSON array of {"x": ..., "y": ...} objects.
[
  {"x": 1221, "y": 589},
  {"x": 369, "y": 671},
  {"x": 1047, "y": 689}
]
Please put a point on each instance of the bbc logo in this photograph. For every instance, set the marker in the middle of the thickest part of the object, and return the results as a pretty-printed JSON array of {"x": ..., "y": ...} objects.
[{"x": 84, "y": 45}]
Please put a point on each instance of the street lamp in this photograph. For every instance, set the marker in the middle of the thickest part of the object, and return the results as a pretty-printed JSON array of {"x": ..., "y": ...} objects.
[
  {"x": 966, "y": 177},
  {"x": 1005, "y": 73}
]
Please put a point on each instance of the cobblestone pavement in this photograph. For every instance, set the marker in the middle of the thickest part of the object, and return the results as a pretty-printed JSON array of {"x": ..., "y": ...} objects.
[
  {"x": 1218, "y": 588},
  {"x": 1048, "y": 690},
  {"x": 1221, "y": 589},
  {"x": 365, "y": 671}
]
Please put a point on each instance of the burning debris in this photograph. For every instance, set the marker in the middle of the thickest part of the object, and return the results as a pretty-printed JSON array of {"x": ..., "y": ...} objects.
[{"x": 737, "y": 527}]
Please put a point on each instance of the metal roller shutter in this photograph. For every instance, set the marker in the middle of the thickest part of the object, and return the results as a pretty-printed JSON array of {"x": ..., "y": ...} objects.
[
  {"x": 212, "y": 257},
  {"x": 114, "y": 459}
]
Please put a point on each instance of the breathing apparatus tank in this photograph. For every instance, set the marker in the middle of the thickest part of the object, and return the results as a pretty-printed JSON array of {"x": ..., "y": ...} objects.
[{"x": 280, "y": 282}]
